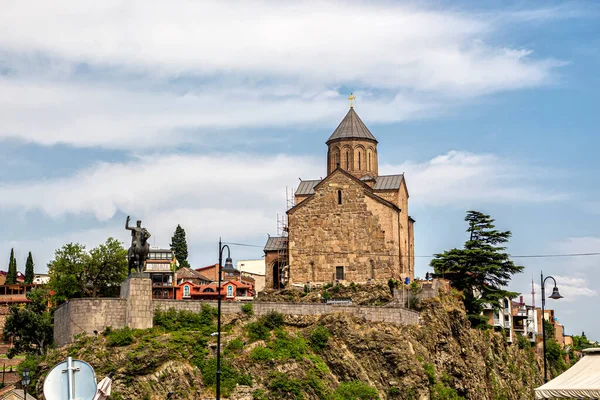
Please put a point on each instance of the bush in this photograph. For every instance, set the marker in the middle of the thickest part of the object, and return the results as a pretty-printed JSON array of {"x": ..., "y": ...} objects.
[
  {"x": 261, "y": 354},
  {"x": 120, "y": 337},
  {"x": 173, "y": 320},
  {"x": 258, "y": 331},
  {"x": 355, "y": 390},
  {"x": 523, "y": 342},
  {"x": 285, "y": 346},
  {"x": 326, "y": 296},
  {"x": 430, "y": 372},
  {"x": 441, "y": 392},
  {"x": 286, "y": 388},
  {"x": 273, "y": 320},
  {"x": 248, "y": 309},
  {"x": 235, "y": 345},
  {"x": 230, "y": 377},
  {"x": 259, "y": 394},
  {"x": 319, "y": 338}
]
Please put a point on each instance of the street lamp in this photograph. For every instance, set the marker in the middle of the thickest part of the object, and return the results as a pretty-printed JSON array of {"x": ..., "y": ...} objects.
[
  {"x": 25, "y": 381},
  {"x": 555, "y": 295},
  {"x": 228, "y": 268}
]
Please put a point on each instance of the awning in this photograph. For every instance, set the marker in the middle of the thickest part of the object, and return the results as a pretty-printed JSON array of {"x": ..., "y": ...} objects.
[{"x": 581, "y": 381}]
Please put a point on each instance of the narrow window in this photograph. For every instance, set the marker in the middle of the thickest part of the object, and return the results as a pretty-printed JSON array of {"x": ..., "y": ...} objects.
[
  {"x": 339, "y": 273},
  {"x": 186, "y": 291},
  {"x": 359, "y": 160},
  {"x": 347, "y": 161},
  {"x": 369, "y": 161},
  {"x": 312, "y": 270},
  {"x": 337, "y": 160},
  {"x": 339, "y": 197}
]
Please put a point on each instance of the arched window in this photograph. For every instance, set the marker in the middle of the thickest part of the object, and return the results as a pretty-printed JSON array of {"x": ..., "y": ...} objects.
[
  {"x": 339, "y": 197},
  {"x": 186, "y": 291},
  {"x": 312, "y": 271},
  {"x": 369, "y": 161},
  {"x": 347, "y": 160},
  {"x": 337, "y": 160},
  {"x": 359, "y": 160}
]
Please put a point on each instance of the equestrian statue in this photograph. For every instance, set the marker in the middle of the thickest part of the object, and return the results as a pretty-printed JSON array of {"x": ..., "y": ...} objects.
[{"x": 138, "y": 252}]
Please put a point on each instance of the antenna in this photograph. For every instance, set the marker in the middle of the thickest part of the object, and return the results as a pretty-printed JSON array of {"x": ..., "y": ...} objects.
[{"x": 532, "y": 293}]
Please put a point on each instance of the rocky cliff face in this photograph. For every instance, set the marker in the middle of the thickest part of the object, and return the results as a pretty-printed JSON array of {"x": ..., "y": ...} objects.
[{"x": 330, "y": 357}]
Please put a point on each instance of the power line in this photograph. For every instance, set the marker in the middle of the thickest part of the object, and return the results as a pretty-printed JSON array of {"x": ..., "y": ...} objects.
[{"x": 430, "y": 256}]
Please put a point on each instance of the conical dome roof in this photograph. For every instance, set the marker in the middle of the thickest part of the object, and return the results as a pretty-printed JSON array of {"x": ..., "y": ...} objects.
[{"x": 351, "y": 127}]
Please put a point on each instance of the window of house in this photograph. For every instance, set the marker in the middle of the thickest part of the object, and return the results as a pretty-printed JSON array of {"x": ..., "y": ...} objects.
[
  {"x": 339, "y": 197},
  {"x": 369, "y": 160},
  {"x": 229, "y": 291},
  {"x": 347, "y": 161},
  {"x": 339, "y": 273},
  {"x": 186, "y": 291},
  {"x": 359, "y": 160}
]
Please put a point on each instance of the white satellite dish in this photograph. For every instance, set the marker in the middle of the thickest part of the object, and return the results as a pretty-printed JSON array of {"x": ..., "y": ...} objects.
[{"x": 70, "y": 380}]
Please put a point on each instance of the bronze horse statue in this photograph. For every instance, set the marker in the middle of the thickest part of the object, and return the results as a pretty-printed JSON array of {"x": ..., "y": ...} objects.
[{"x": 138, "y": 252}]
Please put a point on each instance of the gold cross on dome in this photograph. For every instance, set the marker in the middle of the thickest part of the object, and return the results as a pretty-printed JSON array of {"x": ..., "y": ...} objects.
[{"x": 351, "y": 98}]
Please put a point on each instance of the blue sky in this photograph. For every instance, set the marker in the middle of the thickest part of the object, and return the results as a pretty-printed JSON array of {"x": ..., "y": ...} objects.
[{"x": 202, "y": 113}]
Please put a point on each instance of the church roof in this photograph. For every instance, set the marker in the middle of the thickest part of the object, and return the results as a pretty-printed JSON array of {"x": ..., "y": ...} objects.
[
  {"x": 306, "y": 187},
  {"x": 382, "y": 182},
  {"x": 388, "y": 182},
  {"x": 351, "y": 127},
  {"x": 275, "y": 243}
]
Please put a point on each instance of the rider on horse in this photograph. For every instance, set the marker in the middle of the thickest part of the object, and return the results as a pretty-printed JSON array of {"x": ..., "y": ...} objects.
[{"x": 139, "y": 247}]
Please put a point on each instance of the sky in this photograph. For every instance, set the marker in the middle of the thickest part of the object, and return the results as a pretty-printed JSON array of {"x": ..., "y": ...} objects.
[{"x": 203, "y": 113}]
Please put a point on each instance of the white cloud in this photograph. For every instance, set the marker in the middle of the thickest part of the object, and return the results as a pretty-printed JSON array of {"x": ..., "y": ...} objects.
[
  {"x": 377, "y": 44},
  {"x": 463, "y": 177},
  {"x": 120, "y": 76},
  {"x": 572, "y": 288}
]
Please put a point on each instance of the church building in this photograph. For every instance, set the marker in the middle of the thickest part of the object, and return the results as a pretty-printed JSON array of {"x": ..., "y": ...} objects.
[{"x": 351, "y": 226}]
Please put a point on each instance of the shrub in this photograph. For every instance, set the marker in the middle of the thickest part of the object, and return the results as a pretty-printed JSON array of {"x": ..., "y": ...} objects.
[
  {"x": 248, "y": 309},
  {"x": 230, "y": 377},
  {"x": 327, "y": 285},
  {"x": 430, "y": 372},
  {"x": 258, "y": 331},
  {"x": 261, "y": 354},
  {"x": 441, "y": 392},
  {"x": 286, "y": 388},
  {"x": 355, "y": 390},
  {"x": 319, "y": 338},
  {"x": 173, "y": 320},
  {"x": 235, "y": 345},
  {"x": 285, "y": 346},
  {"x": 259, "y": 394},
  {"x": 523, "y": 342},
  {"x": 273, "y": 320},
  {"x": 120, "y": 337},
  {"x": 394, "y": 391},
  {"x": 326, "y": 296}
]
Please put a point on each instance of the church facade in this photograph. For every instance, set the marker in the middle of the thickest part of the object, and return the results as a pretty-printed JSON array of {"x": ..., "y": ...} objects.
[{"x": 351, "y": 226}]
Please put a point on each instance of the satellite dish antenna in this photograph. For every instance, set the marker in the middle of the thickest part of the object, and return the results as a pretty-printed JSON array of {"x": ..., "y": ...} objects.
[{"x": 70, "y": 380}]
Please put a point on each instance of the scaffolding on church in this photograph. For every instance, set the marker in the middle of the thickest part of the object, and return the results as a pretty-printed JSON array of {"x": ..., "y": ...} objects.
[{"x": 282, "y": 233}]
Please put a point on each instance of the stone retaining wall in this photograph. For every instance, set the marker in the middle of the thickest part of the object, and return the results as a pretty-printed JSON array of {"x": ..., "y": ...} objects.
[
  {"x": 136, "y": 310},
  {"x": 86, "y": 316},
  {"x": 400, "y": 316}
]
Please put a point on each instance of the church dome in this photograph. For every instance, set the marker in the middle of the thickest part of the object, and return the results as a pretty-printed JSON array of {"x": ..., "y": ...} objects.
[{"x": 351, "y": 127}]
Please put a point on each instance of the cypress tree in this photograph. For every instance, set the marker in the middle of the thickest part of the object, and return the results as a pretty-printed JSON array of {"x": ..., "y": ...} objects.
[
  {"x": 29, "y": 270},
  {"x": 180, "y": 247},
  {"x": 11, "y": 275}
]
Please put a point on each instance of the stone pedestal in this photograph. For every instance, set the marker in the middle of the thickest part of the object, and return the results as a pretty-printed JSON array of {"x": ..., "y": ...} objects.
[{"x": 138, "y": 293}]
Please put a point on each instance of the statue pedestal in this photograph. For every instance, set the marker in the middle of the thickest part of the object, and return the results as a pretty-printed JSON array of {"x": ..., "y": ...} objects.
[{"x": 138, "y": 293}]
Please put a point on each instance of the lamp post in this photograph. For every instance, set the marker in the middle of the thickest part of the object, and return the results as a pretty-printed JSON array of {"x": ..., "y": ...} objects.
[
  {"x": 25, "y": 380},
  {"x": 555, "y": 295},
  {"x": 228, "y": 268}
]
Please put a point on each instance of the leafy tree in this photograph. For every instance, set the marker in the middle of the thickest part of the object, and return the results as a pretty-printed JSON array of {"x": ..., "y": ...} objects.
[
  {"x": 30, "y": 326},
  {"x": 180, "y": 247},
  {"x": 76, "y": 273},
  {"x": 11, "y": 275},
  {"x": 29, "y": 270},
  {"x": 480, "y": 269}
]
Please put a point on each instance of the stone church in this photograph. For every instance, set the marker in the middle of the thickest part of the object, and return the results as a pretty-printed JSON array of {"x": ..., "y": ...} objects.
[{"x": 351, "y": 226}]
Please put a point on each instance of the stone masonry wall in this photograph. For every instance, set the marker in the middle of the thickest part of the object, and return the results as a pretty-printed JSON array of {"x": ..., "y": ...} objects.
[
  {"x": 137, "y": 311},
  {"x": 86, "y": 316},
  {"x": 360, "y": 234},
  {"x": 400, "y": 316}
]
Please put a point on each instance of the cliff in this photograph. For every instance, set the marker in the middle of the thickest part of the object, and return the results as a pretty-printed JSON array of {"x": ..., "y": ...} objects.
[{"x": 310, "y": 357}]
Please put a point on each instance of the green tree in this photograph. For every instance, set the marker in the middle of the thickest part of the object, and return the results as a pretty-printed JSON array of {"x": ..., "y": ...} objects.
[
  {"x": 30, "y": 326},
  {"x": 480, "y": 269},
  {"x": 29, "y": 273},
  {"x": 76, "y": 273},
  {"x": 180, "y": 247},
  {"x": 11, "y": 275}
]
